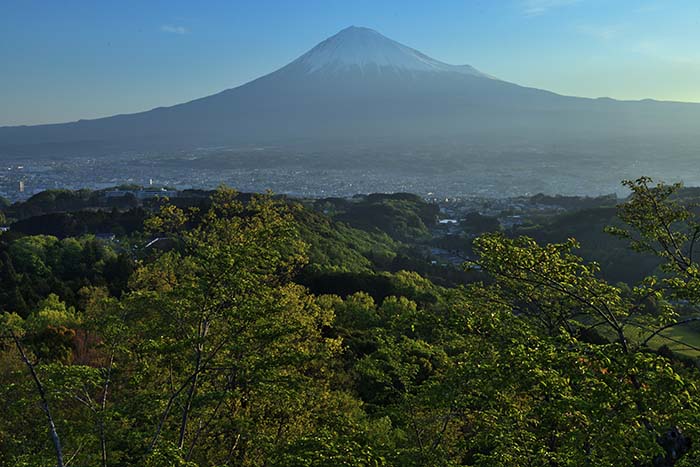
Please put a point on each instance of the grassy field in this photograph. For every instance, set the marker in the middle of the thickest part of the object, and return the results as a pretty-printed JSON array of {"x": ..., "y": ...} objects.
[
  {"x": 677, "y": 338},
  {"x": 685, "y": 333}
]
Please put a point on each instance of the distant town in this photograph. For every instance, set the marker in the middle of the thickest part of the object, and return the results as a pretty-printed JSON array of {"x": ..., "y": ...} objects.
[{"x": 435, "y": 172}]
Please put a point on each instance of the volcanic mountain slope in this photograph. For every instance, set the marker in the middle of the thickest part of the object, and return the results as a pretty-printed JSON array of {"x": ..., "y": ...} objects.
[{"x": 359, "y": 86}]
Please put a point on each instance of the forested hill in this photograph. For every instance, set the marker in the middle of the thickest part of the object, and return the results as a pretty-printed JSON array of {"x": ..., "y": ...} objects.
[{"x": 224, "y": 329}]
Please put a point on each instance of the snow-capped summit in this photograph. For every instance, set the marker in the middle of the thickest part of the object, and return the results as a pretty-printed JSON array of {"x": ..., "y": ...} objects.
[{"x": 368, "y": 50}]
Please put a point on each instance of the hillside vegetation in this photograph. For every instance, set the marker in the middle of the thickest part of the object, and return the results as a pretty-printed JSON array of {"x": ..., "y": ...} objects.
[{"x": 221, "y": 329}]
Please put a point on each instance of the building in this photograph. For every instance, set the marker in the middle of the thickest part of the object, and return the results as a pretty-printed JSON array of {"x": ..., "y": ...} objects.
[{"x": 143, "y": 194}]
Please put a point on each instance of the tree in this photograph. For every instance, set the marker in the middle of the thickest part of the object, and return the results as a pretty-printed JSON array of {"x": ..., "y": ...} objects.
[
  {"x": 476, "y": 223},
  {"x": 220, "y": 313},
  {"x": 658, "y": 222},
  {"x": 10, "y": 325},
  {"x": 556, "y": 290}
]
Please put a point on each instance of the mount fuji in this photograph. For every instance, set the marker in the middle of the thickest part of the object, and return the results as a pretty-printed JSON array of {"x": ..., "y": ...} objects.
[
  {"x": 367, "y": 50},
  {"x": 361, "y": 87}
]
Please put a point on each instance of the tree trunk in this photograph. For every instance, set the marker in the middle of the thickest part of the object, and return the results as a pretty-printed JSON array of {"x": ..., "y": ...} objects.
[
  {"x": 43, "y": 402},
  {"x": 201, "y": 334},
  {"x": 188, "y": 403},
  {"x": 103, "y": 405}
]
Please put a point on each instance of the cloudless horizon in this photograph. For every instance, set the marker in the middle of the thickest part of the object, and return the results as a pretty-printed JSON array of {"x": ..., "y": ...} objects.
[{"x": 79, "y": 59}]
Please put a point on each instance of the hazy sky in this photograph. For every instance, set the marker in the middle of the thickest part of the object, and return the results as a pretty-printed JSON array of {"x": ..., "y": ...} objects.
[{"x": 66, "y": 60}]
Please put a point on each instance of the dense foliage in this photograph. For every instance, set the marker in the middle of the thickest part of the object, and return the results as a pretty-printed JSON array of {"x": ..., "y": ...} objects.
[{"x": 256, "y": 332}]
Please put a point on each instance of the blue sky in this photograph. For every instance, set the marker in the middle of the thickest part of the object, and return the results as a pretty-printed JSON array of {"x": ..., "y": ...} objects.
[{"x": 69, "y": 59}]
